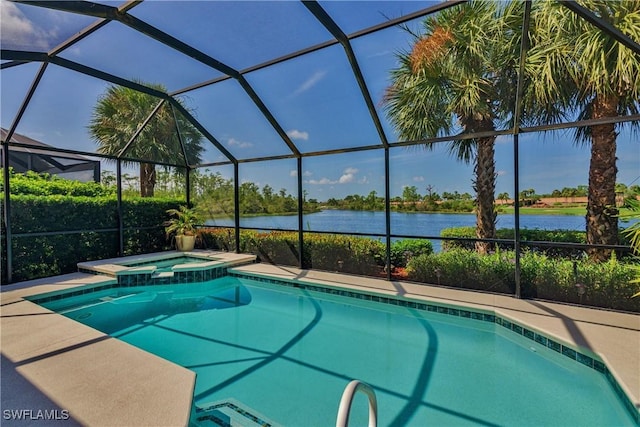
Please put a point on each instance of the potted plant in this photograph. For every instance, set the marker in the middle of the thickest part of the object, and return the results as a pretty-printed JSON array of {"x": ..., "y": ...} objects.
[{"x": 182, "y": 226}]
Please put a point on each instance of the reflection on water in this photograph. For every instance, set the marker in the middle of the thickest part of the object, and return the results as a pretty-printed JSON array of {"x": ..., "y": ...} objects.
[{"x": 121, "y": 310}]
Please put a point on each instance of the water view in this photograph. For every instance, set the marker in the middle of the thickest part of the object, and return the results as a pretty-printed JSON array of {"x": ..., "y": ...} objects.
[{"x": 402, "y": 223}]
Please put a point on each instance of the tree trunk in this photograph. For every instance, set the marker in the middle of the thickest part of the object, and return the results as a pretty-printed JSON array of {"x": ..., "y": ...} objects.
[
  {"x": 485, "y": 187},
  {"x": 147, "y": 179},
  {"x": 602, "y": 221}
]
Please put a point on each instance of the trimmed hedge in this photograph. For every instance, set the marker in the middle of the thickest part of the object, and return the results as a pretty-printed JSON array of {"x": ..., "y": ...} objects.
[
  {"x": 532, "y": 235},
  {"x": 35, "y": 214},
  {"x": 332, "y": 252},
  {"x": 354, "y": 255},
  {"x": 41, "y": 256},
  {"x": 606, "y": 285},
  {"x": 44, "y": 184}
]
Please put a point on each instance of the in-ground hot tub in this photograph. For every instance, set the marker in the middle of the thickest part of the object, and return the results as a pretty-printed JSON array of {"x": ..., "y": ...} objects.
[
  {"x": 168, "y": 264},
  {"x": 166, "y": 267}
]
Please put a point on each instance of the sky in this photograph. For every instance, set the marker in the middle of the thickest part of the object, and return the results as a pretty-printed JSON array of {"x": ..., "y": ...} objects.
[{"x": 314, "y": 98}]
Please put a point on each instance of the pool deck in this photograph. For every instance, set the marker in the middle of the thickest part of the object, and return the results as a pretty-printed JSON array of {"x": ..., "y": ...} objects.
[{"x": 52, "y": 362}]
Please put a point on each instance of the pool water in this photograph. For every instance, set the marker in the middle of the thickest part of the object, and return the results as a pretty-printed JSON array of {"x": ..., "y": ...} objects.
[
  {"x": 166, "y": 263},
  {"x": 288, "y": 354}
]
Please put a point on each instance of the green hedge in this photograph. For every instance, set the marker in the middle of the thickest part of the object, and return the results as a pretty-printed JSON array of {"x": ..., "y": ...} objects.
[
  {"x": 332, "y": 252},
  {"x": 43, "y": 184},
  {"x": 403, "y": 250},
  {"x": 34, "y": 214},
  {"x": 607, "y": 285},
  {"x": 532, "y": 235},
  {"x": 354, "y": 255},
  {"x": 42, "y": 256}
]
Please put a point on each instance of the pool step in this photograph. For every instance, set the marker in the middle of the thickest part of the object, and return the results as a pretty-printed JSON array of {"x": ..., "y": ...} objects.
[{"x": 229, "y": 413}]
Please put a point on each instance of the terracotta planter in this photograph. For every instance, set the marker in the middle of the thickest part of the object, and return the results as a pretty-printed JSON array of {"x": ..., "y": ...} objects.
[{"x": 185, "y": 243}]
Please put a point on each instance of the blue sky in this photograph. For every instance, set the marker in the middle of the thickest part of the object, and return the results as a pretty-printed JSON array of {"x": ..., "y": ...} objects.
[{"x": 315, "y": 98}]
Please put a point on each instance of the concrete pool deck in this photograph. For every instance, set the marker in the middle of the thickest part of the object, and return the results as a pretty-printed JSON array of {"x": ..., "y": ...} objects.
[{"x": 52, "y": 362}]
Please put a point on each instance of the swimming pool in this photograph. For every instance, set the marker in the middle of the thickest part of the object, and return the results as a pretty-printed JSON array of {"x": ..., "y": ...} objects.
[{"x": 288, "y": 353}]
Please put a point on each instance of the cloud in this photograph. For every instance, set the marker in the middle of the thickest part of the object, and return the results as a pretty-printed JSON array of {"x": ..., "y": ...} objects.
[
  {"x": 296, "y": 134},
  {"x": 323, "y": 181},
  {"x": 310, "y": 82},
  {"x": 418, "y": 178},
  {"x": 294, "y": 173},
  {"x": 502, "y": 173},
  {"x": 232, "y": 142},
  {"x": 18, "y": 31},
  {"x": 349, "y": 175}
]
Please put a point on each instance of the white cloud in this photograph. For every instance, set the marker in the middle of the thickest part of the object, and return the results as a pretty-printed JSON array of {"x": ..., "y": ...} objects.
[
  {"x": 232, "y": 142},
  {"x": 323, "y": 181},
  {"x": 294, "y": 173},
  {"x": 346, "y": 178},
  {"x": 349, "y": 175},
  {"x": 310, "y": 82},
  {"x": 501, "y": 173},
  {"x": 418, "y": 178},
  {"x": 18, "y": 31},
  {"x": 296, "y": 134}
]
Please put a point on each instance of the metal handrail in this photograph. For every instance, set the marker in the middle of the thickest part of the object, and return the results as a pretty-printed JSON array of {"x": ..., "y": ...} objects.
[{"x": 347, "y": 399}]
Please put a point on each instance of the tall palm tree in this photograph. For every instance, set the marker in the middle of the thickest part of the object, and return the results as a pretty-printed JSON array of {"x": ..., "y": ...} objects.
[
  {"x": 456, "y": 76},
  {"x": 573, "y": 63},
  {"x": 118, "y": 114}
]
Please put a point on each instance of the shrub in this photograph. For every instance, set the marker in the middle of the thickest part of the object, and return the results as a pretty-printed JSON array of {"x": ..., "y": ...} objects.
[
  {"x": 44, "y": 184},
  {"x": 531, "y": 235},
  {"x": 606, "y": 285},
  {"x": 465, "y": 269},
  {"x": 403, "y": 250},
  {"x": 276, "y": 247},
  {"x": 331, "y": 252},
  {"x": 32, "y": 214},
  {"x": 42, "y": 256},
  {"x": 91, "y": 221},
  {"x": 348, "y": 254},
  {"x": 221, "y": 239}
]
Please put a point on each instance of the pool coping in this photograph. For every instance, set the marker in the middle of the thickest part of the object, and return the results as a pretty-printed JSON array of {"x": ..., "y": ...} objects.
[{"x": 34, "y": 343}]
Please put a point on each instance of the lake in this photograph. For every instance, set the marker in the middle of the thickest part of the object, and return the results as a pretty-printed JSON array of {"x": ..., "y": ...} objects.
[{"x": 402, "y": 223}]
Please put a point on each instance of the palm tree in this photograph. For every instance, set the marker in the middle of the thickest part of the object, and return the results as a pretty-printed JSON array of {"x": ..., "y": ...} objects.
[
  {"x": 575, "y": 64},
  {"x": 456, "y": 72},
  {"x": 118, "y": 114}
]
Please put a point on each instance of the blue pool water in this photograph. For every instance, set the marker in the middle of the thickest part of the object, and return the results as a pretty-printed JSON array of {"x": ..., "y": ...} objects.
[{"x": 288, "y": 354}]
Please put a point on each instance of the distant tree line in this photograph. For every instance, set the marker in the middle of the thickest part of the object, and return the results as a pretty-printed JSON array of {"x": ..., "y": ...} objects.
[
  {"x": 213, "y": 194},
  {"x": 410, "y": 201}
]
